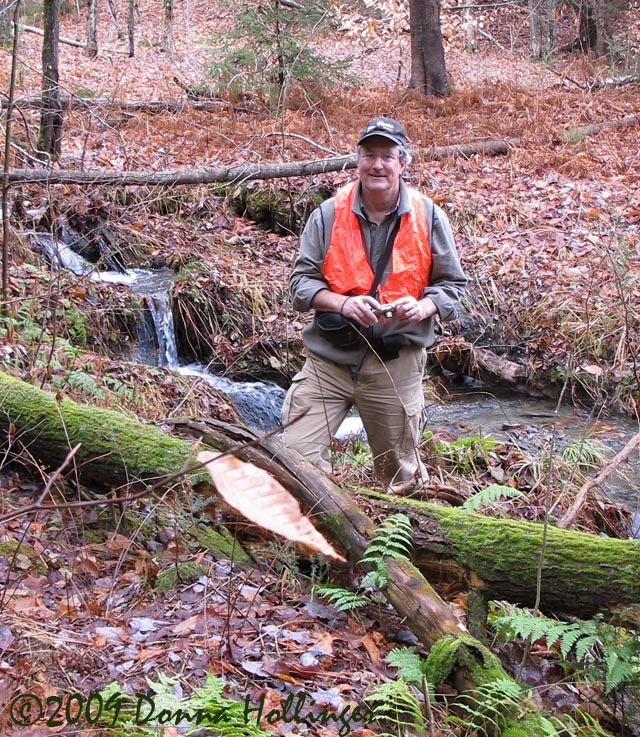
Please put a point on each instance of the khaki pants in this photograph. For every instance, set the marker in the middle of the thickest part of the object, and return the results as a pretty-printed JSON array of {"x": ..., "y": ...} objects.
[{"x": 388, "y": 397}]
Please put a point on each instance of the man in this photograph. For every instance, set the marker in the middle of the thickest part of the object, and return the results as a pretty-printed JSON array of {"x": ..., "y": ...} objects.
[{"x": 376, "y": 244}]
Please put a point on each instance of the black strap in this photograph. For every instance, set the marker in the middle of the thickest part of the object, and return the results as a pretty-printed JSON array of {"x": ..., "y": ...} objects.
[{"x": 384, "y": 259}]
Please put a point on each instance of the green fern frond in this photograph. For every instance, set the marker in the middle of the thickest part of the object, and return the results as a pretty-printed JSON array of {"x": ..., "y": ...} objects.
[
  {"x": 341, "y": 599},
  {"x": 490, "y": 494},
  {"x": 394, "y": 705},
  {"x": 487, "y": 708},
  {"x": 411, "y": 667},
  {"x": 393, "y": 539}
]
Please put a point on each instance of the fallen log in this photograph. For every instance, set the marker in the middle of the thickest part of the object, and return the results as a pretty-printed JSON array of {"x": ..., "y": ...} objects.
[
  {"x": 70, "y": 102},
  {"x": 234, "y": 172},
  {"x": 117, "y": 449},
  {"x": 455, "y": 549}
]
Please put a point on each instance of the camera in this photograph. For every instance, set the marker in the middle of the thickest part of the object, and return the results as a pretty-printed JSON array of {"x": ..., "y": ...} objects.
[{"x": 385, "y": 311}]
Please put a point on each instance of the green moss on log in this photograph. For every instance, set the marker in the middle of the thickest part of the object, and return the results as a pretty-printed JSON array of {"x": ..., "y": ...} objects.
[
  {"x": 183, "y": 573},
  {"x": 581, "y": 573},
  {"x": 143, "y": 452},
  {"x": 505, "y": 555},
  {"x": 220, "y": 543}
]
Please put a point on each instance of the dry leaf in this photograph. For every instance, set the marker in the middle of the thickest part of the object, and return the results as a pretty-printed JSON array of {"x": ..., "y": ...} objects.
[{"x": 260, "y": 498}]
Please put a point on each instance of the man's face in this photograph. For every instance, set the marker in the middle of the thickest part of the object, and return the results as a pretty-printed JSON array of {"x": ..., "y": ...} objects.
[{"x": 379, "y": 166}]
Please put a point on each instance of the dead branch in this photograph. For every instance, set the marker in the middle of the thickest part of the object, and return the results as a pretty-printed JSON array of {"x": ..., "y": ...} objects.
[
  {"x": 68, "y": 102},
  {"x": 40, "y": 32},
  {"x": 570, "y": 516},
  {"x": 235, "y": 172},
  {"x": 573, "y": 134},
  {"x": 614, "y": 81}
]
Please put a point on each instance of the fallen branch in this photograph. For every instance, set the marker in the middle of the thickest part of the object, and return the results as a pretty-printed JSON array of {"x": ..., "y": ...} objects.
[
  {"x": 40, "y": 32},
  {"x": 570, "y": 516},
  {"x": 572, "y": 135},
  {"x": 70, "y": 102},
  {"x": 614, "y": 81},
  {"x": 233, "y": 173}
]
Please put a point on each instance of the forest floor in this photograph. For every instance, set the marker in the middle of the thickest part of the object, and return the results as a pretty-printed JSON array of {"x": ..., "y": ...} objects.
[{"x": 549, "y": 235}]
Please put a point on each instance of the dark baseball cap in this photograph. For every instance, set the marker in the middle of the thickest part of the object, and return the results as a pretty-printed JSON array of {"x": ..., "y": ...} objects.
[{"x": 385, "y": 128}]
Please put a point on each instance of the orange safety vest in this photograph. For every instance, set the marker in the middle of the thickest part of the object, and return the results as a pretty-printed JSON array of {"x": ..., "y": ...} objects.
[{"x": 346, "y": 268}]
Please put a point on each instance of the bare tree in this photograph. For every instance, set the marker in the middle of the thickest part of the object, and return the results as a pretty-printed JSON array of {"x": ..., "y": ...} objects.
[
  {"x": 595, "y": 23},
  {"x": 428, "y": 70},
  {"x": 167, "y": 31},
  {"x": 92, "y": 29},
  {"x": 50, "y": 135},
  {"x": 131, "y": 6}
]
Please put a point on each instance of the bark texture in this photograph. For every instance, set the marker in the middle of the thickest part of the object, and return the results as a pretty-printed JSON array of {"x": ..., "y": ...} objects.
[{"x": 50, "y": 135}]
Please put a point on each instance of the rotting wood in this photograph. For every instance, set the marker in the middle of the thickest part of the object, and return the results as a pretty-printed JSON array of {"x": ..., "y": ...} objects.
[{"x": 235, "y": 172}]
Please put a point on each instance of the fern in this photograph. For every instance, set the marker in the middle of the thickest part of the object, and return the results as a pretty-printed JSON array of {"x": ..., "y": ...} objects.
[
  {"x": 520, "y": 623},
  {"x": 393, "y": 539},
  {"x": 342, "y": 599},
  {"x": 607, "y": 654},
  {"x": 411, "y": 667},
  {"x": 394, "y": 705},
  {"x": 488, "y": 707},
  {"x": 490, "y": 494},
  {"x": 205, "y": 707}
]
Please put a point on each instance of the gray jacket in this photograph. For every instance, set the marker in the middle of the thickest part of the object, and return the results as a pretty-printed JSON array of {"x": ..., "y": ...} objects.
[{"x": 446, "y": 283}]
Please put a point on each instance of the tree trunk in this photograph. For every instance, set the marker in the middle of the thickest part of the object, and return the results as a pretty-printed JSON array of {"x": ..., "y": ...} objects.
[
  {"x": 167, "y": 31},
  {"x": 456, "y": 550},
  {"x": 112, "y": 10},
  {"x": 130, "y": 27},
  {"x": 428, "y": 70},
  {"x": 92, "y": 29},
  {"x": 541, "y": 27},
  {"x": 50, "y": 135}
]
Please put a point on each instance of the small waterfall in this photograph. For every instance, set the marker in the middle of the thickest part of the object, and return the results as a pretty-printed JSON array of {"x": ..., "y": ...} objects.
[
  {"x": 159, "y": 306},
  {"x": 258, "y": 403}
]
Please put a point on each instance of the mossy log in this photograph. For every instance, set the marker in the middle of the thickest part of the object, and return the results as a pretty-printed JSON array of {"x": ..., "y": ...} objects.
[
  {"x": 455, "y": 550},
  {"x": 116, "y": 449}
]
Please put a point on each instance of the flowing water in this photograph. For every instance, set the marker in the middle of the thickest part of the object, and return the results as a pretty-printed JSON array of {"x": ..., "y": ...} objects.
[{"x": 258, "y": 402}]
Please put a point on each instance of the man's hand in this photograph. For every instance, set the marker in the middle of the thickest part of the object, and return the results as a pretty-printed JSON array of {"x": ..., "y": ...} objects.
[
  {"x": 361, "y": 309},
  {"x": 410, "y": 308}
]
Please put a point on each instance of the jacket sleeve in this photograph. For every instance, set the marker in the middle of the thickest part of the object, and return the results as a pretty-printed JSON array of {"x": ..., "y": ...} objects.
[
  {"x": 447, "y": 281},
  {"x": 306, "y": 278}
]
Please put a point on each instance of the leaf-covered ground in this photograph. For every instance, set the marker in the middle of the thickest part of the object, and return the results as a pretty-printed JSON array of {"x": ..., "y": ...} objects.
[{"x": 549, "y": 235}]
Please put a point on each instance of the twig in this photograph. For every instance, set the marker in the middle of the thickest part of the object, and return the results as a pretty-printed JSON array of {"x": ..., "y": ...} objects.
[
  {"x": 427, "y": 706},
  {"x": 303, "y": 138},
  {"x": 492, "y": 39},
  {"x": 570, "y": 516}
]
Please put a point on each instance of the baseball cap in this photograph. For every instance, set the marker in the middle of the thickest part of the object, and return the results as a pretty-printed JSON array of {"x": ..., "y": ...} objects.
[{"x": 386, "y": 128}]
